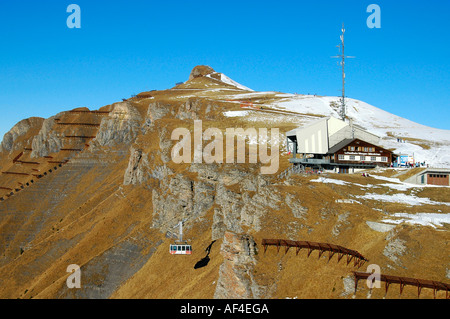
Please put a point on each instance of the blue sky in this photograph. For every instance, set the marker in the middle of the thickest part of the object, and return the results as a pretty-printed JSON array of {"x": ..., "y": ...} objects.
[{"x": 127, "y": 47}]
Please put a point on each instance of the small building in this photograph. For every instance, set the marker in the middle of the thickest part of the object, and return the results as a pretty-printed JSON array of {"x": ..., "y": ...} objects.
[
  {"x": 331, "y": 143},
  {"x": 431, "y": 176}
]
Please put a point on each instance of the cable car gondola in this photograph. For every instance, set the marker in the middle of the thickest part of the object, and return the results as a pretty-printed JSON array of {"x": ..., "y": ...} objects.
[{"x": 180, "y": 247}]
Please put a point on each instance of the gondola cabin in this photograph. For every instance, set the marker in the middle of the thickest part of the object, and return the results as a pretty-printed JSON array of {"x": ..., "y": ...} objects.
[{"x": 181, "y": 249}]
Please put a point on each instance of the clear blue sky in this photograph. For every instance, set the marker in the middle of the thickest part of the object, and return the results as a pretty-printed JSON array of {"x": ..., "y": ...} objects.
[{"x": 127, "y": 47}]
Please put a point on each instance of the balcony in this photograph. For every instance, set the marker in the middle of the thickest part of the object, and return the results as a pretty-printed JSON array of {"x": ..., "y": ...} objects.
[{"x": 310, "y": 161}]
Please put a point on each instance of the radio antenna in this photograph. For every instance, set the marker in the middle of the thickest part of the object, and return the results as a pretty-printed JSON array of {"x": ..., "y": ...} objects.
[{"x": 342, "y": 56}]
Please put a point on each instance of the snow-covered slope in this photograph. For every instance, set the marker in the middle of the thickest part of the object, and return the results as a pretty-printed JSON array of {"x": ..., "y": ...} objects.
[
  {"x": 424, "y": 143},
  {"x": 227, "y": 80}
]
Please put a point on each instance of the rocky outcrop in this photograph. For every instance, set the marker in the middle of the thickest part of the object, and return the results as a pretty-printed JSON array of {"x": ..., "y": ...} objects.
[
  {"x": 244, "y": 208},
  {"x": 295, "y": 205},
  {"x": 137, "y": 170},
  {"x": 236, "y": 272},
  {"x": 189, "y": 110},
  {"x": 18, "y": 130},
  {"x": 121, "y": 126},
  {"x": 201, "y": 70},
  {"x": 156, "y": 111},
  {"x": 394, "y": 249},
  {"x": 179, "y": 198},
  {"x": 47, "y": 140}
]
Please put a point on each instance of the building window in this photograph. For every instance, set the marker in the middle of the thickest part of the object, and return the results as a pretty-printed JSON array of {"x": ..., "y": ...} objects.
[
  {"x": 352, "y": 157},
  {"x": 372, "y": 149},
  {"x": 384, "y": 159},
  {"x": 373, "y": 158},
  {"x": 362, "y": 158},
  {"x": 352, "y": 148},
  {"x": 341, "y": 157},
  {"x": 366, "y": 149}
]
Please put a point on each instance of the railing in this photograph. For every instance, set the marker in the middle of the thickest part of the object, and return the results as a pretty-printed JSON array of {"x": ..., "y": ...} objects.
[
  {"x": 290, "y": 170},
  {"x": 90, "y": 112},
  {"x": 403, "y": 281},
  {"x": 317, "y": 161},
  {"x": 79, "y": 124},
  {"x": 359, "y": 259}
]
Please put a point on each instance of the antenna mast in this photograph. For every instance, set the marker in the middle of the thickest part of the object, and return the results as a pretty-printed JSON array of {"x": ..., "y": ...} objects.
[{"x": 342, "y": 56}]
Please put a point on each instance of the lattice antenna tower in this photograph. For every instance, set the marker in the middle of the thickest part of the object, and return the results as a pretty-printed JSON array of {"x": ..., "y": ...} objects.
[{"x": 342, "y": 56}]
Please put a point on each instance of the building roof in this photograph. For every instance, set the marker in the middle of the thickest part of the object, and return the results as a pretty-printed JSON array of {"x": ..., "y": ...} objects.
[
  {"x": 345, "y": 142},
  {"x": 315, "y": 121},
  {"x": 340, "y": 145},
  {"x": 434, "y": 170}
]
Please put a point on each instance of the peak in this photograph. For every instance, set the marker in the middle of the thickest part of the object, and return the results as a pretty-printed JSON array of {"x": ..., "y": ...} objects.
[
  {"x": 201, "y": 70},
  {"x": 208, "y": 73}
]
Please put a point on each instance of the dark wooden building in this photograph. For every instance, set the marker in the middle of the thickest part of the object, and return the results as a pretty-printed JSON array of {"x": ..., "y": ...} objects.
[{"x": 357, "y": 152}]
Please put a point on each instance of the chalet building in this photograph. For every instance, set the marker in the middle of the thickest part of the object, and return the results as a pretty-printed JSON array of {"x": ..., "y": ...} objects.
[{"x": 332, "y": 144}]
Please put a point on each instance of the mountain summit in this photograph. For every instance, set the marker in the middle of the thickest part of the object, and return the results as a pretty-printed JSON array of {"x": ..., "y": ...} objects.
[
  {"x": 203, "y": 76},
  {"x": 201, "y": 70}
]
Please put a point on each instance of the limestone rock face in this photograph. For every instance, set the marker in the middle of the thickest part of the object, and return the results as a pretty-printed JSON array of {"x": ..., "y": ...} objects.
[
  {"x": 121, "y": 126},
  {"x": 20, "y": 129},
  {"x": 47, "y": 140},
  {"x": 189, "y": 110},
  {"x": 155, "y": 112},
  {"x": 179, "y": 197},
  {"x": 235, "y": 274},
  {"x": 136, "y": 172}
]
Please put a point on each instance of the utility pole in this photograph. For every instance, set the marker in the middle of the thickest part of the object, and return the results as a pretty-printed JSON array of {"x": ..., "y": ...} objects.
[{"x": 342, "y": 56}]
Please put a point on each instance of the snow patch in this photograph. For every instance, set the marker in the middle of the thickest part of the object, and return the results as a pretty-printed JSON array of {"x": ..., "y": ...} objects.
[
  {"x": 424, "y": 219},
  {"x": 329, "y": 181},
  {"x": 380, "y": 227},
  {"x": 401, "y": 198},
  {"x": 235, "y": 113}
]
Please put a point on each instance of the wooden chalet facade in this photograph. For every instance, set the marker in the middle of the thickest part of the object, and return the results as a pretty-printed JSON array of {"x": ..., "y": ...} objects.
[{"x": 356, "y": 152}]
